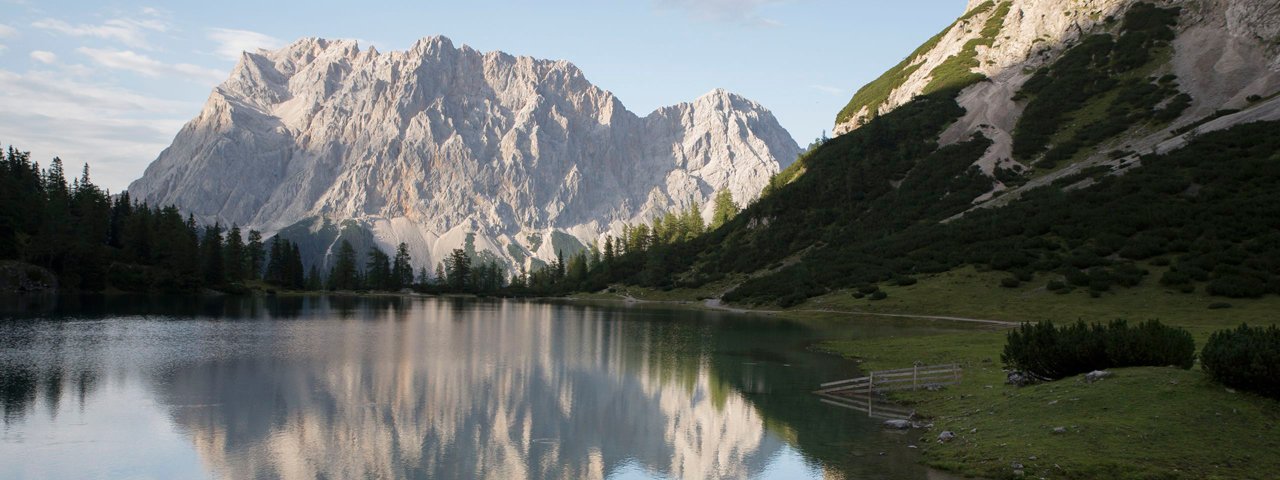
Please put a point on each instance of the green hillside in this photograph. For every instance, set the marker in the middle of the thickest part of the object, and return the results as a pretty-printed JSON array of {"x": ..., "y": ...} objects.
[{"x": 877, "y": 206}]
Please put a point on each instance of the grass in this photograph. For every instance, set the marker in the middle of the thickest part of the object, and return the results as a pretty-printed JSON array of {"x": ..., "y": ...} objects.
[
  {"x": 709, "y": 290},
  {"x": 967, "y": 292},
  {"x": 875, "y": 93},
  {"x": 1143, "y": 423}
]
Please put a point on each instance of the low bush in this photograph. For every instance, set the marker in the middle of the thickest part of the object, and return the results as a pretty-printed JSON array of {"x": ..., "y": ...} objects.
[
  {"x": 1049, "y": 352},
  {"x": 1247, "y": 358},
  {"x": 879, "y": 295},
  {"x": 1010, "y": 282}
]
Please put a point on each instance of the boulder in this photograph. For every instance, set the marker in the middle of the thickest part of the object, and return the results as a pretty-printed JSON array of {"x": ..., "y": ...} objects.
[
  {"x": 946, "y": 436},
  {"x": 1019, "y": 379},
  {"x": 897, "y": 424},
  {"x": 1096, "y": 375}
]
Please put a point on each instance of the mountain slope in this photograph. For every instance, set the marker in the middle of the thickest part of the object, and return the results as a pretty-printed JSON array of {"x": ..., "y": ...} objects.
[
  {"x": 438, "y": 146},
  {"x": 1120, "y": 163}
]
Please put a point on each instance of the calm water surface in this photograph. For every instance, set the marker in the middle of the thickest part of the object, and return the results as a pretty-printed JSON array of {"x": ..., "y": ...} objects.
[{"x": 176, "y": 388}]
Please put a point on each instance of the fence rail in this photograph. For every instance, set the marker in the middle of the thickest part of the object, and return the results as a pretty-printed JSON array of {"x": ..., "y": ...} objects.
[{"x": 911, "y": 378}]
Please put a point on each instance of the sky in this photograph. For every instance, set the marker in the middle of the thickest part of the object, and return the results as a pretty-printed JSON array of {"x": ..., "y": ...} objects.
[{"x": 111, "y": 83}]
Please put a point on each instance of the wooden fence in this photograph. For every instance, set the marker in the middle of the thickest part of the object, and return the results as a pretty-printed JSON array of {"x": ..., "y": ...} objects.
[
  {"x": 869, "y": 403},
  {"x": 911, "y": 378}
]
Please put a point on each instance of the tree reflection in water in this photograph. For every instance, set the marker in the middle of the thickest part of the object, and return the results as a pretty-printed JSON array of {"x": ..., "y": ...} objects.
[{"x": 350, "y": 387}]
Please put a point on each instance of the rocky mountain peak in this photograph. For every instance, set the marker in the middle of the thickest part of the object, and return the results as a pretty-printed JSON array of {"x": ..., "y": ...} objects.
[{"x": 440, "y": 146}]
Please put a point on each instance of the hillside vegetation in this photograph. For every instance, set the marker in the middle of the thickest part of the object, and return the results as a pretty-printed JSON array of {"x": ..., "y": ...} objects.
[{"x": 885, "y": 204}]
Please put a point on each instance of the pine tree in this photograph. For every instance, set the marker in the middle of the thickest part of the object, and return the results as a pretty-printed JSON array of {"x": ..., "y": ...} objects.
[
  {"x": 560, "y": 266},
  {"x": 275, "y": 274},
  {"x": 608, "y": 249},
  {"x": 378, "y": 270},
  {"x": 401, "y": 268},
  {"x": 296, "y": 273},
  {"x": 459, "y": 270},
  {"x": 344, "y": 274},
  {"x": 211, "y": 251},
  {"x": 235, "y": 256},
  {"x": 255, "y": 253}
]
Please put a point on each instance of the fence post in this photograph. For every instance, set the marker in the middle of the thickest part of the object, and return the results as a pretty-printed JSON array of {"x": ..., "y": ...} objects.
[
  {"x": 915, "y": 375},
  {"x": 871, "y": 382}
]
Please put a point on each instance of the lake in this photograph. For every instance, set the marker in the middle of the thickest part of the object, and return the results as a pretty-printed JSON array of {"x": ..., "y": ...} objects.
[{"x": 400, "y": 387}]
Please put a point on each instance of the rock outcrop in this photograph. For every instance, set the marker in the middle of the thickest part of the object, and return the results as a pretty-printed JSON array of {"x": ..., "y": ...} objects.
[
  {"x": 1225, "y": 56},
  {"x": 439, "y": 145},
  {"x": 1238, "y": 39}
]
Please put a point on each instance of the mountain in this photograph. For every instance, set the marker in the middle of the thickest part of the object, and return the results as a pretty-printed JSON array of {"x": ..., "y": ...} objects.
[
  {"x": 443, "y": 147},
  {"x": 1091, "y": 145}
]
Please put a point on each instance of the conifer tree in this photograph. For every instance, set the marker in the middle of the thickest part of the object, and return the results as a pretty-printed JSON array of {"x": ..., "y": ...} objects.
[
  {"x": 235, "y": 256},
  {"x": 459, "y": 270},
  {"x": 211, "y": 249},
  {"x": 401, "y": 268},
  {"x": 724, "y": 208},
  {"x": 255, "y": 253},
  {"x": 344, "y": 274}
]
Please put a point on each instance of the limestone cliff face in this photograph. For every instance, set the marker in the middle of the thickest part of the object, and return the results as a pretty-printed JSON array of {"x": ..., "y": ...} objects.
[
  {"x": 1225, "y": 55},
  {"x": 438, "y": 144},
  {"x": 1240, "y": 38}
]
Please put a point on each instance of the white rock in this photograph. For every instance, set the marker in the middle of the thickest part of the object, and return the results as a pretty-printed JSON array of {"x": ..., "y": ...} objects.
[{"x": 428, "y": 145}]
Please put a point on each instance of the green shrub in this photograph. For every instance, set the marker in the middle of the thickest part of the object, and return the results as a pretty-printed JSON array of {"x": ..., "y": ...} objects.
[
  {"x": 1219, "y": 305},
  {"x": 904, "y": 281},
  {"x": 1009, "y": 282},
  {"x": 1245, "y": 358},
  {"x": 791, "y": 300},
  {"x": 1055, "y": 285},
  {"x": 1049, "y": 352},
  {"x": 1237, "y": 286},
  {"x": 879, "y": 295}
]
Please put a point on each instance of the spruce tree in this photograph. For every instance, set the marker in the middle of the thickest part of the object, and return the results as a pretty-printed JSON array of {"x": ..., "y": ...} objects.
[
  {"x": 344, "y": 274},
  {"x": 235, "y": 256},
  {"x": 211, "y": 251},
  {"x": 401, "y": 268},
  {"x": 378, "y": 270},
  {"x": 275, "y": 274},
  {"x": 459, "y": 270},
  {"x": 255, "y": 253}
]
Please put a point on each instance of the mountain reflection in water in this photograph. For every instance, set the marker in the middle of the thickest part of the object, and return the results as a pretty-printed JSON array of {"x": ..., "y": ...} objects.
[{"x": 314, "y": 387}]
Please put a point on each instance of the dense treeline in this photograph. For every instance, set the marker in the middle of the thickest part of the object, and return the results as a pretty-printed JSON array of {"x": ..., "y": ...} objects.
[
  {"x": 885, "y": 203},
  {"x": 653, "y": 254},
  {"x": 93, "y": 242}
]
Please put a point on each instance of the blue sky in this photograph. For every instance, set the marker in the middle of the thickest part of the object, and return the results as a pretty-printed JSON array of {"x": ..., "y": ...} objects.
[{"x": 111, "y": 83}]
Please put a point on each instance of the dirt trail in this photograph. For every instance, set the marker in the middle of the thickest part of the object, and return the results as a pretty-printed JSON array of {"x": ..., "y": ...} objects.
[{"x": 717, "y": 304}]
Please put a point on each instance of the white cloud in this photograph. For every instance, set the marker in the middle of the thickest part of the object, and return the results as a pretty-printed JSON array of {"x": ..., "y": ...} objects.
[
  {"x": 231, "y": 42},
  {"x": 139, "y": 63},
  {"x": 7, "y": 31},
  {"x": 129, "y": 31},
  {"x": 746, "y": 12},
  {"x": 116, "y": 131},
  {"x": 44, "y": 56}
]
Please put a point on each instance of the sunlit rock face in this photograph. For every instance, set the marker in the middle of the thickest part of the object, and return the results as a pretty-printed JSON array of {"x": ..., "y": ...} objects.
[
  {"x": 1225, "y": 51},
  {"x": 532, "y": 397},
  {"x": 429, "y": 145}
]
